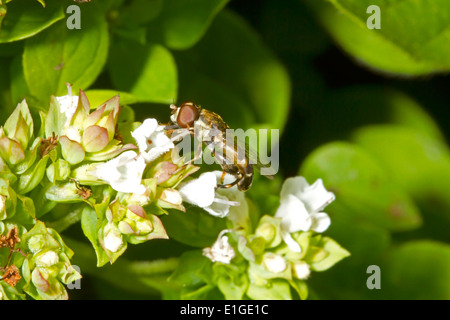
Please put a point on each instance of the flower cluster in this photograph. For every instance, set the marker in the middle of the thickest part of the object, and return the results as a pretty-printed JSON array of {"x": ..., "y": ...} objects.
[
  {"x": 97, "y": 166},
  {"x": 114, "y": 185},
  {"x": 281, "y": 251}
]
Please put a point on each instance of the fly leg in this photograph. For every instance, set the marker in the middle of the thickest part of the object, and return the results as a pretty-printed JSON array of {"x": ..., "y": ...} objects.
[
  {"x": 228, "y": 185},
  {"x": 197, "y": 155}
]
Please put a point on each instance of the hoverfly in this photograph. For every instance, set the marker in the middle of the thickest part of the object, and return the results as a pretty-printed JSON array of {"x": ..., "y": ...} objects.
[{"x": 209, "y": 128}]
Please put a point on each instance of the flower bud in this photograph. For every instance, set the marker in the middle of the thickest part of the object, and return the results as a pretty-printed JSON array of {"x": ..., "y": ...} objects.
[
  {"x": 301, "y": 270},
  {"x": 137, "y": 220},
  {"x": 36, "y": 243},
  {"x": 105, "y": 117},
  {"x": 19, "y": 125},
  {"x": 11, "y": 151},
  {"x": 46, "y": 259},
  {"x": 58, "y": 171},
  {"x": 95, "y": 138},
  {"x": 127, "y": 227},
  {"x": 71, "y": 150},
  {"x": 267, "y": 231},
  {"x": 86, "y": 174},
  {"x": 112, "y": 238},
  {"x": 39, "y": 279},
  {"x": 274, "y": 262},
  {"x": 171, "y": 199},
  {"x": 2, "y": 207}
]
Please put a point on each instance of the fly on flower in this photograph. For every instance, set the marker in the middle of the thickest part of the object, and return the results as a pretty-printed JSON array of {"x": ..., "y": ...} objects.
[{"x": 234, "y": 156}]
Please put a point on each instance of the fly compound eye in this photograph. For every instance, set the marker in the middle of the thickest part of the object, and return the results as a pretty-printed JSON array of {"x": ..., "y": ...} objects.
[{"x": 187, "y": 114}]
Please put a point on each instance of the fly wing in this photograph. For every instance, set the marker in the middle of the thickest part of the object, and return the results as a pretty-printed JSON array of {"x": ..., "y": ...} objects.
[{"x": 249, "y": 149}]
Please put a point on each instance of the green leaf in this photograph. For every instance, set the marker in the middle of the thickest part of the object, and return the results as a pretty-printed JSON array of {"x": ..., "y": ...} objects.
[
  {"x": 58, "y": 56},
  {"x": 244, "y": 82},
  {"x": 98, "y": 97},
  {"x": 418, "y": 270},
  {"x": 3, "y": 11},
  {"x": 362, "y": 187},
  {"x": 417, "y": 162},
  {"x": 194, "y": 227},
  {"x": 26, "y": 18},
  {"x": 182, "y": 23},
  {"x": 148, "y": 71},
  {"x": 6, "y": 104},
  {"x": 90, "y": 226},
  {"x": 414, "y": 34},
  {"x": 25, "y": 211},
  {"x": 367, "y": 104},
  {"x": 140, "y": 11},
  {"x": 19, "y": 88},
  {"x": 40, "y": 200}
]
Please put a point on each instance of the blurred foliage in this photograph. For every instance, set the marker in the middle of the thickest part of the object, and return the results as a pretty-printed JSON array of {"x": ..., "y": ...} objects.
[{"x": 365, "y": 110}]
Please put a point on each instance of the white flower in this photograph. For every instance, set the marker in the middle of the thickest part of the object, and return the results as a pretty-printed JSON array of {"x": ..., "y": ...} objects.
[
  {"x": 152, "y": 140},
  {"x": 124, "y": 173},
  {"x": 202, "y": 193},
  {"x": 68, "y": 105},
  {"x": 238, "y": 212},
  {"x": 47, "y": 259},
  {"x": 221, "y": 250},
  {"x": 301, "y": 270},
  {"x": 171, "y": 196},
  {"x": 112, "y": 238},
  {"x": 300, "y": 208},
  {"x": 2, "y": 207},
  {"x": 274, "y": 262}
]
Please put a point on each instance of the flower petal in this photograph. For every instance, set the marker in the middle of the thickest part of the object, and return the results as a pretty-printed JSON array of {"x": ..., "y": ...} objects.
[
  {"x": 68, "y": 105},
  {"x": 293, "y": 214},
  {"x": 143, "y": 132},
  {"x": 290, "y": 242},
  {"x": 220, "y": 251},
  {"x": 200, "y": 191},
  {"x": 316, "y": 197},
  {"x": 152, "y": 140},
  {"x": 274, "y": 262},
  {"x": 112, "y": 238},
  {"x": 301, "y": 270},
  {"x": 294, "y": 186},
  {"x": 219, "y": 208},
  {"x": 124, "y": 173},
  {"x": 320, "y": 222}
]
